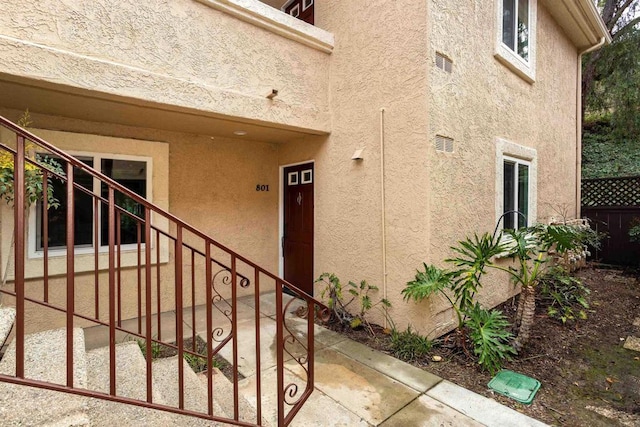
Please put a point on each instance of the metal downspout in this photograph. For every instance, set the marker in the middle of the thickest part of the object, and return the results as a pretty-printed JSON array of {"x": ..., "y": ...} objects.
[
  {"x": 601, "y": 43},
  {"x": 383, "y": 211}
]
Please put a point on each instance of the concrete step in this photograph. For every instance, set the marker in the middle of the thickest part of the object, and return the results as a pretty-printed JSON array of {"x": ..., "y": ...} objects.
[
  {"x": 45, "y": 357},
  {"x": 131, "y": 371},
  {"x": 45, "y": 360},
  {"x": 7, "y": 316},
  {"x": 131, "y": 382},
  {"x": 223, "y": 394},
  {"x": 165, "y": 377}
]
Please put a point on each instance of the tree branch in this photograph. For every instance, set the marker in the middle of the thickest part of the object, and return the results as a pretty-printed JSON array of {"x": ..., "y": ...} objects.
[{"x": 626, "y": 29}]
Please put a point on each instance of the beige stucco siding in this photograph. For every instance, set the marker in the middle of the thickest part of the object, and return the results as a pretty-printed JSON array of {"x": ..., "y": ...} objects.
[
  {"x": 482, "y": 101},
  {"x": 208, "y": 182},
  {"x": 178, "y": 53},
  {"x": 379, "y": 61}
]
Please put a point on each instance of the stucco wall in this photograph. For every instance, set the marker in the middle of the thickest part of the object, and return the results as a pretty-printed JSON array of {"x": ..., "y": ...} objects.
[
  {"x": 379, "y": 61},
  {"x": 181, "y": 53},
  {"x": 386, "y": 59},
  {"x": 208, "y": 182},
  {"x": 482, "y": 101}
]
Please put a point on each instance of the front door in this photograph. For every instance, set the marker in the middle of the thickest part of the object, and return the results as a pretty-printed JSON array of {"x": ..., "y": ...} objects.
[{"x": 297, "y": 240}]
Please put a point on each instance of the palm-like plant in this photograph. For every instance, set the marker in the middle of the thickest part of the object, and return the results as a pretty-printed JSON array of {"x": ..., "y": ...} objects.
[{"x": 528, "y": 247}]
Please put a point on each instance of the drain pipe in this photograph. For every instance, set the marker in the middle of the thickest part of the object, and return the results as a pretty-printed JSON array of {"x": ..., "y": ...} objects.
[
  {"x": 383, "y": 213},
  {"x": 601, "y": 43}
]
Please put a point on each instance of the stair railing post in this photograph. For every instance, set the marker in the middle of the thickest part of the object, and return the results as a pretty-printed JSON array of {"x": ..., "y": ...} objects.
[
  {"x": 234, "y": 331},
  {"x": 70, "y": 271},
  {"x": 147, "y": 304},
  {"x": 179, "y": 312},
  {"x": 280, "y": 351},
  {"x": 112, "y": 294},
  {"x": 19, "y": 222}
]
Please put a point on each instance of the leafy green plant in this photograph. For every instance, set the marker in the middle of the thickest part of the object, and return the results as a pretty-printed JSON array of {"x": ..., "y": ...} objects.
[
  {"x": 334, "y": 293},
  {"x": 528, "y": 247},
  {"x": 488, "y": 331},
  {"x": 409, "y": 345},
  {"x": 34, "y": 166},
  {"x": 634, "y": 230},
  {"x": 463, "y": 281},
  {"x": 198, "y": 363},
  {"x": 564, "y": 296},
  {"x": 155, "y": 348}
]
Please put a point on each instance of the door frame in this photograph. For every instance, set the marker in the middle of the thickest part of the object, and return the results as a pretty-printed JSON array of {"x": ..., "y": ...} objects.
[{"x": 281, "y": 213}]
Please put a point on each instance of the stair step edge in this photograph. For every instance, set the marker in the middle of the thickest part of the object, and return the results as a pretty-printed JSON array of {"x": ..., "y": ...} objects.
[
  {"x": 131, "y": 372},
  {"x": 165, "y": 377},
  {"x": 7, "y": 317},
  {"x": 45, "y": 357}
]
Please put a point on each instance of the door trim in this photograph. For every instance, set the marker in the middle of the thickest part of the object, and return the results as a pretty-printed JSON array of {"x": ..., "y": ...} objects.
[{"x": 281, "y": 211}]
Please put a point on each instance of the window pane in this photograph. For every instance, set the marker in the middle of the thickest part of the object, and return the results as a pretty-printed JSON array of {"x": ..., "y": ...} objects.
[
  {"x": 523, "y": 29},
  {"x": 523, "y": 194},
  {"x": 508, "y": 22},
  {"x": 83, "y": 211},
  {"x": 133, "y": 175},
  {"x": 509, "y": 194}
]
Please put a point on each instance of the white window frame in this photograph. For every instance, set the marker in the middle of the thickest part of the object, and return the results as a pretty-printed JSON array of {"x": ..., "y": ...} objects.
[
  {"x": 34, "y": 252},
  {"x": 526, "y": 69},
  {"x": 507, "y": 150},
  {"x": 518, "y": 163}
]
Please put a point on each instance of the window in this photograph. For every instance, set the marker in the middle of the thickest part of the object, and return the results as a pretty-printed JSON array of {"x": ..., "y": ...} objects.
[
  {"x": 515, "y": 193},
  {"x": 516, "y": 38},
  {"x": 516, "y": 184},
  {"x": 132, "y": 173},
  {"x": 515, "y": 26}
]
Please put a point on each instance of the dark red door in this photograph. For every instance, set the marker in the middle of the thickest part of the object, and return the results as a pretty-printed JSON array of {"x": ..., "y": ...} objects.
[
  {"x": 301, "y": 9},
  {"x": 298, "y": 226}
]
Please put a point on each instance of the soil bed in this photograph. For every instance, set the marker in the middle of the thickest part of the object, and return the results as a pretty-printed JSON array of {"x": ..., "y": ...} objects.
[
  {"x": 587, "y": 377},
  {"x": 198, "y": 364}
]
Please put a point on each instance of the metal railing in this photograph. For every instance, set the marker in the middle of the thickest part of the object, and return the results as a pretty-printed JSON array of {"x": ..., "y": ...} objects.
[{"x": 170, "y": 267}]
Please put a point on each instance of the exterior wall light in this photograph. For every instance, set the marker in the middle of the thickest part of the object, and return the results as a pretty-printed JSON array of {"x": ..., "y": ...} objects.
[{"x": 358, "y": 154}]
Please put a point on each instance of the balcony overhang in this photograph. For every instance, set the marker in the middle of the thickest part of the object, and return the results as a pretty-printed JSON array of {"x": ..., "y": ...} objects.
[
  {"x": 69, "y": 102},
  {"x": 264, "y": 16},
  {"x": 580, "y": 20}
]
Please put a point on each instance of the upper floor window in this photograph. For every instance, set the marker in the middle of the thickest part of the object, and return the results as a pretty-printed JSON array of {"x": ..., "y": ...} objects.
[
  {"x": 516, "y": 38},
  {"x": 515, "y": 26}
]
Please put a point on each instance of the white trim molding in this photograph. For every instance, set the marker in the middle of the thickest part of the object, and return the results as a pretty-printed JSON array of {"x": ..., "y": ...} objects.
[
  {"x": 261, "y": 15},
  {"x": 508, "y": 149},
  {"x": 523, "y": 68}
]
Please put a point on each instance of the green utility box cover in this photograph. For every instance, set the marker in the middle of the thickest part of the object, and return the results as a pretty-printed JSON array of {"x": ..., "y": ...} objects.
[{"x": 516, "y": 386}]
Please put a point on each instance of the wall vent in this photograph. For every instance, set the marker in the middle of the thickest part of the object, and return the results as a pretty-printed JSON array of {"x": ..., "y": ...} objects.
[
  {"x": 444, "y": 144},
  {"x": 443, "y": 62}
]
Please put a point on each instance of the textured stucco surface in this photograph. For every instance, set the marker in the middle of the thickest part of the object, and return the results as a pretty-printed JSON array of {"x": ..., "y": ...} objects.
[
  {"x": 208, "y": 182},
  {"x": 483, "y": 102},
  {"x": 383, "y": 58},
  {"x": 386, "y": 59},
  {"x": 379, "y": 61},
  {"x": 180, "y": 53}
]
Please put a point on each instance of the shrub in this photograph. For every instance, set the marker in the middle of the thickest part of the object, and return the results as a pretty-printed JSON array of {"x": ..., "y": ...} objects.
[
  {"x": 490, "y": 337},
  {"x": 334, "y": 292},
  {"x": 564, "y": 296},
  {"x": 409, "y": 345}
]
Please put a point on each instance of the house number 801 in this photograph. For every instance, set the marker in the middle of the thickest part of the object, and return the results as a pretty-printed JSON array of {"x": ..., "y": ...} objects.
[{"x": 261, "y": 187}]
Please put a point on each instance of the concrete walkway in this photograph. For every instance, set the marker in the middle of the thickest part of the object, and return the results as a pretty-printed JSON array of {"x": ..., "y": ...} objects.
[
  {"x": 358, "y": 386},
  {"x": 354, "y": 384}
]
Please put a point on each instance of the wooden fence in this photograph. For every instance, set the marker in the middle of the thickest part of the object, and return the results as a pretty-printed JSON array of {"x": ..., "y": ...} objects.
[{"x": 613, "y": 206}]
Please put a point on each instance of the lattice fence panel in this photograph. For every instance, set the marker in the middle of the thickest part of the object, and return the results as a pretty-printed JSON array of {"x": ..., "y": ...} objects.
[{"x": 621, "y": 192}]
